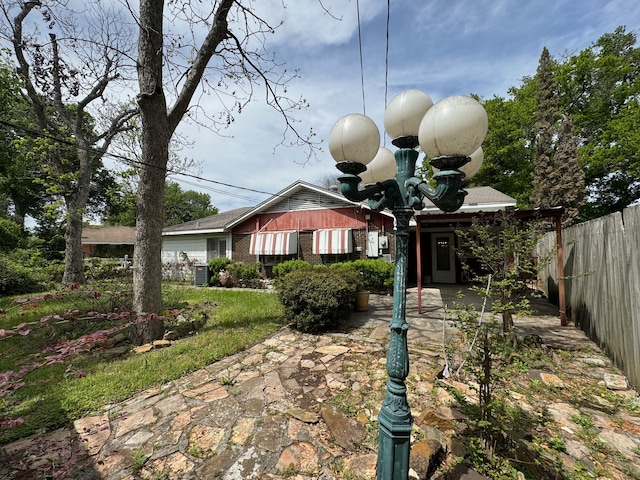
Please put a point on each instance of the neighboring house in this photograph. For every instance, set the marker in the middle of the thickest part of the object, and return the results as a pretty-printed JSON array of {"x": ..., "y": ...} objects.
[
  {"x": 101, "y": 241},
  {"x": 321, "y": 226},
  {"x": 199, "y": 241}
]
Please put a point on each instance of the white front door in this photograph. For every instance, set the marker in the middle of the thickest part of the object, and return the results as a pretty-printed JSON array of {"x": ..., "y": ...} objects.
[{"x": 443, "y": 255}]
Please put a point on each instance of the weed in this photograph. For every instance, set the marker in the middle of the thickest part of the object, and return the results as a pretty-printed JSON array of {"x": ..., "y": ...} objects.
[
  {"x": 138, "y": 461},
  {"x": 195, "y": 450},
  {"x": 289, "y": 472},
  {"x": 227, "y": 379}
]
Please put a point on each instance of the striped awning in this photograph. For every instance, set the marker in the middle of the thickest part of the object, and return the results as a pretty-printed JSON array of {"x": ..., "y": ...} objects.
[
  {"x": 274, "y": 243},
  {"x": 332, "y": 241}
]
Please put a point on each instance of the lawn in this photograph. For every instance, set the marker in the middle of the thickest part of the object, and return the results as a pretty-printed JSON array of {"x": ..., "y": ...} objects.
[{"x": 56, "y": 394}]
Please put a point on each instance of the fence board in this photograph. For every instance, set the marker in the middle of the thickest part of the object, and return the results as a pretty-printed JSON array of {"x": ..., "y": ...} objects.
[{"x": 602, "y": 284}]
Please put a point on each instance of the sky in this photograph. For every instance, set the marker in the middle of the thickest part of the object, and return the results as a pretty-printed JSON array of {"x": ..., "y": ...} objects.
[{"x": 443, "y": 47}]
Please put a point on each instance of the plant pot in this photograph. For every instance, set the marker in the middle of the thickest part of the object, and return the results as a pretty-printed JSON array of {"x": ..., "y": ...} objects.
[{"x": 362, "y": 301}]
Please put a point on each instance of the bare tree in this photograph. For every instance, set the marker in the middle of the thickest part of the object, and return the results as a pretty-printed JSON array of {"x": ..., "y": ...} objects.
[
  {"x": 67, "y": 61},
  {"x": 221, "y": 51}
]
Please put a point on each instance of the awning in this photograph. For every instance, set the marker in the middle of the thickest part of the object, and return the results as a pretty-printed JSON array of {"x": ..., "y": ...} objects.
[
  {"x": 274, "y": 243},
  {"x": 332, "y": 241}
]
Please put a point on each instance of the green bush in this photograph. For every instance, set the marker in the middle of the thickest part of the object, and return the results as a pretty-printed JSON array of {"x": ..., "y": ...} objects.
[
  {"x": 16, "y": 279},
  {"x": 376, "y": 274},
  {"x": 281, "y": 269},
  {"x": 235, "y": 274},
  {"x": 10, "y": 235},
  {"x": 317, "y": 298},
  {"x": 244, "y": 272},
  {"x": 215, "y": 267}
]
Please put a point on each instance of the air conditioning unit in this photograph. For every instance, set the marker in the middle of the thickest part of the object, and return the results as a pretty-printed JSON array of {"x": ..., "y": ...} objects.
[{"x": 386, "y": 257}]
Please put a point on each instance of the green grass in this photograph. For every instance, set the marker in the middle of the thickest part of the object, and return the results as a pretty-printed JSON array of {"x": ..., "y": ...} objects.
[{"x": 51, "y": 398}]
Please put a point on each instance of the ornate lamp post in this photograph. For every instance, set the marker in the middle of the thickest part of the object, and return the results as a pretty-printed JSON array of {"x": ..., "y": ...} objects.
[{"x": 449, "y": 132}]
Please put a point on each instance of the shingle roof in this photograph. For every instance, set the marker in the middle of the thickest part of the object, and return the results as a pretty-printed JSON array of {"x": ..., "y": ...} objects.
[
  {"x": 212, "y": 222},
  {"x": 95, "y": 235}
]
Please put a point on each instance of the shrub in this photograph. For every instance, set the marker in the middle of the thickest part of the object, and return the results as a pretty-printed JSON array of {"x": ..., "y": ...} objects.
[
  {"x": 376, "y": 274},
  {"x": 215, "y": 267},
  {"x": 16, "y": 278},
  {"x": 281, "y": 269},
  {"x": 317, "y": 298},
  {"x": 10, "y": 235},
  {"x": 245, "y": 274}
]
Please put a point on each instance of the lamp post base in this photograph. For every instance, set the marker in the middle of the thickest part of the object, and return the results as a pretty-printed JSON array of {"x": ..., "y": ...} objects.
[{"x": 394, "y": 443}]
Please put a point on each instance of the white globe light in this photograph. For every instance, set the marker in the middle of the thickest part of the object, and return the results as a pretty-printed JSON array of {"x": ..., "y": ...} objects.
[
  {"x": 472, "y": 167},
  {"x": 454, "y": 126},
  {"x": 404, "y": 113},
  {"x": 354, "y": 138},
  {"x": 382, "y": 167}
]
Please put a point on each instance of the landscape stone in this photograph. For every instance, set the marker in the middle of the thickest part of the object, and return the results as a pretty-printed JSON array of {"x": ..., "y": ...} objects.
[
  {"x": 93, "y": 431},
  {"x": 267, "y": 414},
  {"x": 426, "y": 456},
  {"x": 347, "y": 433},
  {"x": 302, "y": 456},
  {"x": 615, "y": 382}
]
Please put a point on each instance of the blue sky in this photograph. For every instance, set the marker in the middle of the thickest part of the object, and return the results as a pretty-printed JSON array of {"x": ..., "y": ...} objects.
[{"x": 443, "y": 47}]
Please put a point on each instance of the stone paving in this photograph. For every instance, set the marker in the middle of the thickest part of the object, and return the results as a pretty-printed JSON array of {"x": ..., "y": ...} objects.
[{"x": 285, "y": 409}]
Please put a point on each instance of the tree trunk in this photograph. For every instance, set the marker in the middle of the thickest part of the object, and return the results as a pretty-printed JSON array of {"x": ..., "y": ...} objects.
[
  {"x": 76, "y": 202},
  {"x": 156, "y": 134},
  {"x": 73, "y": 263}
]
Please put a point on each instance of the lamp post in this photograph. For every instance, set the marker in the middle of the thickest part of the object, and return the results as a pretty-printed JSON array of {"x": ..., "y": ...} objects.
[{"x": 449, "y": 132}]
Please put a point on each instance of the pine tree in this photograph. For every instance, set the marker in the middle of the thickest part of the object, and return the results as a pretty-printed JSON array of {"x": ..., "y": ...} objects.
[
  {"x": 570, "y": 186},
  {"x": 558, "y": 178},
  {"x": 546, "y": 119}
]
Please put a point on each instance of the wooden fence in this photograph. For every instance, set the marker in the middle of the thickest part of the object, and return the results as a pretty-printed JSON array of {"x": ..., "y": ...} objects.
[{"x": 602, "y": 284}]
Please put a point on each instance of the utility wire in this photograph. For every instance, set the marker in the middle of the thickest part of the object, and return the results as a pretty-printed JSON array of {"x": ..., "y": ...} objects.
[
  {"x": 136, "y": 162},
  {"x": 364, "y": 108}
]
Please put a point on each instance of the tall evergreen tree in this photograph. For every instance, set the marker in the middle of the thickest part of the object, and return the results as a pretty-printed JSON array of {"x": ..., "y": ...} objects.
[
  {"x": 570, "y": 184},
  {"x": 558, "y": 179},
  {"x": 546, "y": 115}
]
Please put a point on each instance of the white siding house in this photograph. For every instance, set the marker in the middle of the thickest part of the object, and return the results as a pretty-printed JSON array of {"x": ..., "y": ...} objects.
[{"x": 197, "y": 242}]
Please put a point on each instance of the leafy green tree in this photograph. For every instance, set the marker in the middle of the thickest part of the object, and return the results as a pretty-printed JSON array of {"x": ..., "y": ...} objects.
[
  {"x": 547, "y": 116},
  {"x": 599, "y": 88},
  {"x": 66, "y": 66},
  {"x": 507, "y": 149},
  {"x": 20, "y": 170},
  {"x": 182, "y": 206}
]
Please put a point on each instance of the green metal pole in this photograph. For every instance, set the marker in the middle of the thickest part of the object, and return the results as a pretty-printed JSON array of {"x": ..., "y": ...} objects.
[
  {"x": 395, "y": 414},
  {"x": 394, "y": 440}
]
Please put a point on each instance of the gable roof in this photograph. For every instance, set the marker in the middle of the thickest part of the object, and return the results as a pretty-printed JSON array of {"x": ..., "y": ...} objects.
[
  {"x": 478, "y": 199},
  {"x": 217, "y": 223},
  {"x": 104, "y": 235},
  {"x": 306, "y": 196},
  {"x": 299, "y": 195}
]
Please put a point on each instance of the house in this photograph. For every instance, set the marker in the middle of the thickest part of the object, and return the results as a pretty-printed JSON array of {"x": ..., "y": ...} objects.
[
  {"x": 321, "y": 226},
  {"x": 104, "y": 241},
  {"x": 302, "y": 221}
]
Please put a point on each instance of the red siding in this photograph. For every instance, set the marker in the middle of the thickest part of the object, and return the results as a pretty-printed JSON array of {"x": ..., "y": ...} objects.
[{"x": 349, "y": 217}]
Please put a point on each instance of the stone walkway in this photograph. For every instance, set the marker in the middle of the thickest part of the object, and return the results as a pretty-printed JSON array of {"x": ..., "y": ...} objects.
[{"x": 302, "y": 406}]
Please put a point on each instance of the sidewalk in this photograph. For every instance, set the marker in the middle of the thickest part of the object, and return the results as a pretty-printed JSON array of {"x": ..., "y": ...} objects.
[{"x": 302, "y": 406}]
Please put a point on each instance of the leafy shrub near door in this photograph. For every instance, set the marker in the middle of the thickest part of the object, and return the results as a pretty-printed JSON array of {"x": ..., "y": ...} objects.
[
  {"x": 317, "y": 298},
  {"x": 376, "y": 274}
]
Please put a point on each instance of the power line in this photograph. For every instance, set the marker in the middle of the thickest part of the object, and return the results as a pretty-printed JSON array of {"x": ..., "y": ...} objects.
[
  {"x": 140, "y": 163},
  {"x": 364, "y": 107}
]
